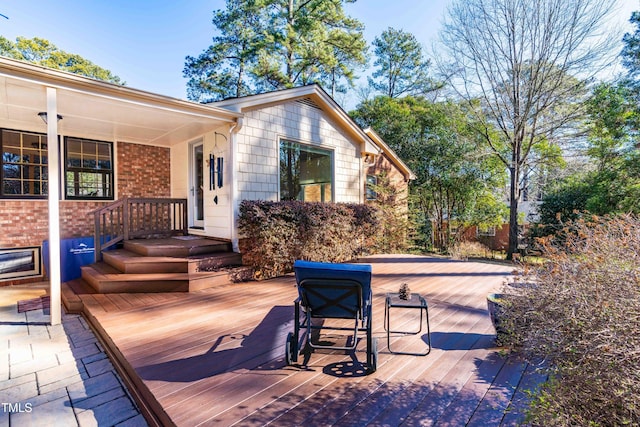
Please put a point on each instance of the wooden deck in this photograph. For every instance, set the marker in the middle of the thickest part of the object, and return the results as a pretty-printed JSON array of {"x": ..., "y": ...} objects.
[{"x": 216, "y": 357}]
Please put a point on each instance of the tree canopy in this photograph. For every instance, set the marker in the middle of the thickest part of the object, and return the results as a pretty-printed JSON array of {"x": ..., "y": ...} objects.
[
  {"x": 524, "y": 65},
  {"x": 42, "y": 52},
  {"x": 274, "y": 44},
  {"x": 456, "y": 181},
  {"x": 401, "y": 68},
  {"x": 631, "y": 51},
  {"x": 223, "y": 70}
]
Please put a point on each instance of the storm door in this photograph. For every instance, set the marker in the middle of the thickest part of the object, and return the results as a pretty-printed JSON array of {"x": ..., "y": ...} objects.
[{"x": 196, "y": 182}]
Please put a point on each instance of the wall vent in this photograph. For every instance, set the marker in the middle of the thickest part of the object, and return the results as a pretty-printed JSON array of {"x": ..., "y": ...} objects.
[{"x": 309, "y": 102}]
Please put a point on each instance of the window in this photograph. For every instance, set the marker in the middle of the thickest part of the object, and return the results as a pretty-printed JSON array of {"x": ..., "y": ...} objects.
[
  {"x": 486, "y": 230},
  {"x": 24, "y": 164},
  {"x": 88, "y": 169},
  {"x": 19, "y": 262},
  {"x": 372, "y": 181},
  {"x": 306, "y": 173}
]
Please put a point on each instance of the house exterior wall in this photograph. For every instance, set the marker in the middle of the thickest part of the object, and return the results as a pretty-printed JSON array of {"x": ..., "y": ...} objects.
[
  {"x": 141, "y": 171},
  {"x": 499, "y": 241},
  {"x": 180, "y": 171},
  {"x": 383, "y": 166},
  {"x": 217, "y": 200},
  {"x": 258, "y": 156}
]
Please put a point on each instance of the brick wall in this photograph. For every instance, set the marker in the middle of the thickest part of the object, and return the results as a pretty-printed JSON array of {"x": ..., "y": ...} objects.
[
  {"x": 498, "y": 242},
  {"x": 383, "y": 165},
  {"x": 143, "y": 171},
  {"x": 25, "y": 222}
]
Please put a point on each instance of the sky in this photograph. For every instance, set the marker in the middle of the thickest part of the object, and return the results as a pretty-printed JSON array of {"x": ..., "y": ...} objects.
[{"x": 145, "y": 42}]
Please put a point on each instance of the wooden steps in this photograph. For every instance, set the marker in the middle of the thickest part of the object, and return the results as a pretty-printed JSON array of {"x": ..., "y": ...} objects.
[
  {"x": 162, "y": 265},
  {"x": 176, "y": 247},
  {"x": 131, "y": 262}
]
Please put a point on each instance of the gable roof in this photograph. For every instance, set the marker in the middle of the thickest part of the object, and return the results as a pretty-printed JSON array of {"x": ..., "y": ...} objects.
[
  {"x": 391, "y": 155},
  {"x": 315, "y": 96}
]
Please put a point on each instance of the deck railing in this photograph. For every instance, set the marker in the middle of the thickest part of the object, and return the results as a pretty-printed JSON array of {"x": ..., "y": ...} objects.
[{"x": 130, "y": 218}]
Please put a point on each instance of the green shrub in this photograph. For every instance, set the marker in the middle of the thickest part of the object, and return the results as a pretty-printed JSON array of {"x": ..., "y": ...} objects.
[
  {"x": 580, "y": 313},
  {"x": 275, "y": 234}
]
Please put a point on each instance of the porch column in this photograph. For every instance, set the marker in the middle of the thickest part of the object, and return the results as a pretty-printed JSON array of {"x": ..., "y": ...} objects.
[
  {"x": 233, "y": 181},
  {"x": 54, "y": 206}
]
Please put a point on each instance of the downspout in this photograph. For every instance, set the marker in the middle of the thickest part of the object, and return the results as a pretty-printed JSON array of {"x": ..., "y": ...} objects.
[
  {"x": 234, "y": 205},
  {"x": 54, "y": 207},
  {"x": 361, "y": 180}
]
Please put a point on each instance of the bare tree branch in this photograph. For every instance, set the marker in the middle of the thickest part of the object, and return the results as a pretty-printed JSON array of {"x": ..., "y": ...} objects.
[{"x": 528, "y": 63}]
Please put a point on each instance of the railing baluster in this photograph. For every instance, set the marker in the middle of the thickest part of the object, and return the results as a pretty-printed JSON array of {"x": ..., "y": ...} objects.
[{"x": 128, "y": 218}]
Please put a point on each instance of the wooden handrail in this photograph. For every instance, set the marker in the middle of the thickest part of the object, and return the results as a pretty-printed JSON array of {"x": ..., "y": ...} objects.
[{"x": 130, "y": 218}]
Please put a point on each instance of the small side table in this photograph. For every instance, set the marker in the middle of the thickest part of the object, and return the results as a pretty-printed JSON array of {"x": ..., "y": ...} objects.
[{"x": 415, "y": 302}]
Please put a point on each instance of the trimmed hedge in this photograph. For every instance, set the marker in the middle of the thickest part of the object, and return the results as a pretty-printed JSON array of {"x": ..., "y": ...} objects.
[{"x": 274, "y": 234}]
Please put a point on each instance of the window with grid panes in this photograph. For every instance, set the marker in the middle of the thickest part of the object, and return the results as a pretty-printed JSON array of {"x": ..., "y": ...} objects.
[
  {"x": 24, "y": 164},
  {"x": 88, "y": 169}
]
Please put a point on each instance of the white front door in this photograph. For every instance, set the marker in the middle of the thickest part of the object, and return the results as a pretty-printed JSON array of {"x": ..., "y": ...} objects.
[{"x": 196, "y": 182}]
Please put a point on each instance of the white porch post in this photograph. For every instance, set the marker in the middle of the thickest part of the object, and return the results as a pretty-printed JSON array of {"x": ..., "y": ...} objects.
[
  {"x": 54, "y": 207},
  {"x": 233, "y": 181}
]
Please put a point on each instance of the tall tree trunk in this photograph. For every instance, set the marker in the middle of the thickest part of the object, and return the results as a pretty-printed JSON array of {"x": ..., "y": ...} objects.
[{"x": 513, "y": 210}]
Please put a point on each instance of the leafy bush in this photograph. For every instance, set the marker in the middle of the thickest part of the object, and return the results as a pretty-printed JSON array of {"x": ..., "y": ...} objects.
[
  {"x": 564, "y": 205},
  {"x": 580, "y": 313},
  {"x": 275, "y": 234},
  {"x": 394, "y": 224}
]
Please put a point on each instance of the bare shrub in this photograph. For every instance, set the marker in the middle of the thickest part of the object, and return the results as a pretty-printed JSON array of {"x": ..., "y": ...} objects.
[
  {"x": 581, "y": 315},
  {"x": 465, "y": 250}
]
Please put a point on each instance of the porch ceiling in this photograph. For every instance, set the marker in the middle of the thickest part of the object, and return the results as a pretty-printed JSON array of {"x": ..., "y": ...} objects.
[{"x": 98, "y": 110}]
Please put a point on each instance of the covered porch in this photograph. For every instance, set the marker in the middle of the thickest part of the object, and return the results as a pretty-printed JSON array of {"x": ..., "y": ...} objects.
[
  {"x": 102, "y": 114},
  {"x": 216, "y": 356}
]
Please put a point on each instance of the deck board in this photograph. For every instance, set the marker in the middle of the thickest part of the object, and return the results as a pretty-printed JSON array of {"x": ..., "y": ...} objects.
[{"x": 216, "y": 356}]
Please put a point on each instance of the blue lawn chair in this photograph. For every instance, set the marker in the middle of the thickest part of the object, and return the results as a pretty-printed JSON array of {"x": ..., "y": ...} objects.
[{"x": 332, "y": 291}]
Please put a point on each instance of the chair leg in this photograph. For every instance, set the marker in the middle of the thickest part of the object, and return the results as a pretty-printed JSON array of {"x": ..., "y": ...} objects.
[
  {"x": 296, "y": 328},
  {"x": 372, "y": 347}
]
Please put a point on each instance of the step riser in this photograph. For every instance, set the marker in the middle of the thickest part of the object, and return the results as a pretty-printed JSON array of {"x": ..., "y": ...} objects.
[
  {"x": 107, "y": 282},
  {"x": 162, "y": 265},
  {"x": 141, "y": 265},
  {"x": 210, "y": 282},
  {"x": 141, "y": 287},
  {"x": 183, "y": 252}
]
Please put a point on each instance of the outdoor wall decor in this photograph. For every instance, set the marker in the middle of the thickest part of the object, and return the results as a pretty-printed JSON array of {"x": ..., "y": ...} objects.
[
  {"x": 216, "y": 170},
  {"x": 216, "y": 167},
  {"x": 220, "y": 162},
  {"x": 212, "y": 170}
]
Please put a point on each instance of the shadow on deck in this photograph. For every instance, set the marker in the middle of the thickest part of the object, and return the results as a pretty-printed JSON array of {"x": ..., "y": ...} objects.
[{"x": 216, "y": 356}]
